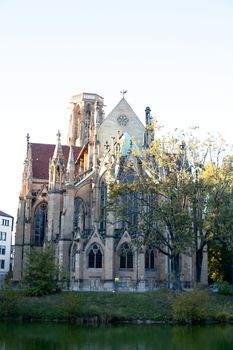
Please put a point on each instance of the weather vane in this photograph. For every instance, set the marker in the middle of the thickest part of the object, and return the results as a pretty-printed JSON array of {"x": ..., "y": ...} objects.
[{"x": 123, "y": 92}]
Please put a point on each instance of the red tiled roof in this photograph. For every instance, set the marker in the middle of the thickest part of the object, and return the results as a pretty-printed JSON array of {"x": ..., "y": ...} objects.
[{"x": 41, "y": 153}]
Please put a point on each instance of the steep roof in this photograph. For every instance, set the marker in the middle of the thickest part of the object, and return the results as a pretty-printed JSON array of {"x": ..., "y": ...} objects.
[
  {"x": 5, "y": 214},
  {"x": 41, "y": 153},
  {"x": 124, "y": 107}
]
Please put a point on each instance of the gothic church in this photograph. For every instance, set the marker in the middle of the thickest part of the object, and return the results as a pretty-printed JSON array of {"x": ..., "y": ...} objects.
[{"x": 63, "y": 197}]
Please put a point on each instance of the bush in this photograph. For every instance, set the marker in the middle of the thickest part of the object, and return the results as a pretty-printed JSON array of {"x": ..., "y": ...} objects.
[
  {"x": 224, "y": 288},
  {"x": 71, "y": 305},
  {"x": 41, "y": 272},
  {"x": 9, "y": 301},
  {"x": 8, "y": 278},
  {"x": 190, "y": 306},
  {"x": 223, "y": 316}
]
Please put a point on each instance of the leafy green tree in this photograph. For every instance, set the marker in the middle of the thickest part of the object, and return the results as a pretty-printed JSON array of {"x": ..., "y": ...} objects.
[
  {"x": 215, "y": 272},
  {"x": 182, "y": 189},
  {"x": 161, "y": 187},
  {"x": 41, "y": 272},
  {"x": 214, "y": 225}
]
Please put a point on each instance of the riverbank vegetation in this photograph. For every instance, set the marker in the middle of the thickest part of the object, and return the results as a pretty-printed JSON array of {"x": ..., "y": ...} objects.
[{"x": 106, "y": 307}]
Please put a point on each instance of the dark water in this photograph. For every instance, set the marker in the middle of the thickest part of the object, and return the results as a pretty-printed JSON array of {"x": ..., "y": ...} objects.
[{"x": 52, "y": 336}]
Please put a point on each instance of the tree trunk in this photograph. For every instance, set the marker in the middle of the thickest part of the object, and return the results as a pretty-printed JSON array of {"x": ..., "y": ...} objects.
[
  {"x": 176, "y": 272},
  {"x": 199, "y": 258}
]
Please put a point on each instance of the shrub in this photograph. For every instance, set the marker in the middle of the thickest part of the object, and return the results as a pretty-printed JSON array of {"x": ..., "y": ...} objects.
[
  {"x": 41, "y": 272},
  {"x": 223, "y": 316},
  {"x": 71, "y": 305},
  {"x": 224, "y": 288},
  {"x": 190, "y": 306},
  {"x": 8, "y": 303},
  {"x": 8, "y": 278}
]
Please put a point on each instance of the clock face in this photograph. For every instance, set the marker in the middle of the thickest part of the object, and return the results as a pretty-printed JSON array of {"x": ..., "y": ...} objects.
[{"x": 122, "y": 120}]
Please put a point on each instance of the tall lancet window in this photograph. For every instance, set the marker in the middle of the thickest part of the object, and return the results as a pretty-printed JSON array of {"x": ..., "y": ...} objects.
[
  {"x": 73, "y": 258},
  {"x": 95, "y": 257},
  {"x": 40, "y": 224},
  {"x": 132, "y": 209},
  {"x": 87, "y": 120},
  {"x": 126, "y": 257},
  {"x": 79, "y": 215},
  {"x": 103, "y": 202},
  {"x": 129, "y": 203},
  {"x": 149, "y": 258}
]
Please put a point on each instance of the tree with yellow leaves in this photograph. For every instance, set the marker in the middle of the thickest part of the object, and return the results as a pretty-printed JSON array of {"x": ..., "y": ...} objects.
[{"x": 178, "y": 197}]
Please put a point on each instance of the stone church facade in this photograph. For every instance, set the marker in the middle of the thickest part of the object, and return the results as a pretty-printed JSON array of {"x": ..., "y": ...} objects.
[{"x": 63, "y": 198}]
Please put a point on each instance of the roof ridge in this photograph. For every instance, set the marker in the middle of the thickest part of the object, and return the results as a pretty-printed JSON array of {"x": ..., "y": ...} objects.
[{"x": 2, "y": 213}]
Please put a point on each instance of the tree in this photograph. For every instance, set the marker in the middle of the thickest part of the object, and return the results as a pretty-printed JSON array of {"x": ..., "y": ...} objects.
[
  {"x": 161, "y": 189},
  {"x": 180, "y": 187},
  {"x": 216, "y": 225},
  {"x": 41, "y": 272}
]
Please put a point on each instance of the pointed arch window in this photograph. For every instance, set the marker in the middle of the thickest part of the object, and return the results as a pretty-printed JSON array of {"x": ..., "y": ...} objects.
[
  {"x": 95, "y": 257},
  {"x": 150, "y": 258},
  {"x": 73, "y": 258},
  {"x": 87, "y": 119},
  {"x": 77, "y": 117},
  {"x": 179, "y": 262},
  {"x": 132, "y": 209},
  {"x": 130, "y": 202},
  {"x": 126, "y": 257},
  {"x": 40, "y": 224}
]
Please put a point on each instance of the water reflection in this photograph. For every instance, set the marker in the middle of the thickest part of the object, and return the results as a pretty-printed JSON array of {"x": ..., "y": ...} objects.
[{"x": 50, "y": 336}]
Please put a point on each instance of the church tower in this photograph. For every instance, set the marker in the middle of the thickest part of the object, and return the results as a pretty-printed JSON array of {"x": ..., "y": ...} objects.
[{"x": 86, "y": 115}]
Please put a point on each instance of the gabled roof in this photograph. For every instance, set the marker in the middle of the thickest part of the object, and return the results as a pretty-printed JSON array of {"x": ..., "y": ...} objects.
[
  {"x": 41, "y": 153},
  {"x": 124, "y": 108},
  {"x": 5, "y": 214}
]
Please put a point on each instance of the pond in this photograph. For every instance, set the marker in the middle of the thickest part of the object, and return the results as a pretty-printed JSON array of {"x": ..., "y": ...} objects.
[{"x": 56, "y": 336}]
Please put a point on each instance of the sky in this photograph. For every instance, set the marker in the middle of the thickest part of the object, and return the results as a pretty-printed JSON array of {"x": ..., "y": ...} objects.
[{"x": 175, "y": 56}]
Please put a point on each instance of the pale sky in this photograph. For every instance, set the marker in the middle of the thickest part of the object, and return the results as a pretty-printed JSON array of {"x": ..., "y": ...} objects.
[{"x": 175, "y": 56}]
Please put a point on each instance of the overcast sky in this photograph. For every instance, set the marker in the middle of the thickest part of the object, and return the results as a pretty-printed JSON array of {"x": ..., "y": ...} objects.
[{"x": 175, "y": 56}]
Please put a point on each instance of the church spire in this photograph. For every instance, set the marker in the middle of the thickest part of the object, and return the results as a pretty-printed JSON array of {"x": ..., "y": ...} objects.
[
  {"x": 57, "y": 166},
  {"x": 70, "y": 167},
  {"x": 58, "y": 149},
  {"x": 27, "y": 172}
]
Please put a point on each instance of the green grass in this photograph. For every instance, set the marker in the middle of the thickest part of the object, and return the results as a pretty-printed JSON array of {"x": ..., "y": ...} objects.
[{"x": 107, "y": 306}]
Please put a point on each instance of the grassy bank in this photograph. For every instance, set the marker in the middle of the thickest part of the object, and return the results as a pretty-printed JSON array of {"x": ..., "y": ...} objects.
[{"x": 161, "y": 305}]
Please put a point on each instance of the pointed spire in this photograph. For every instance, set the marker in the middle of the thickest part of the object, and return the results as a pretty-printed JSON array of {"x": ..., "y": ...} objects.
[
  {"x": 57, "y": 166},
  {"x": 70, "y": 167},
  {"x": 58, "y": 149},
  {"x": 28, "y": 140},
  {"x": 27, "y": 170}
]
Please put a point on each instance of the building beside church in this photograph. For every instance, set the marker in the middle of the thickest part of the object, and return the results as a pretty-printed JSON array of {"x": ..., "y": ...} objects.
[
  {"x": 6, "y": 228},
  {"x": 63, "y": 198}
]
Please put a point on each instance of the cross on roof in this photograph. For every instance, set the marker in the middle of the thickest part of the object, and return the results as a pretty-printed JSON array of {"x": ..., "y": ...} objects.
[
  {"x": 123, "y": 92},
  {"x": 58, "y": 135}
]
